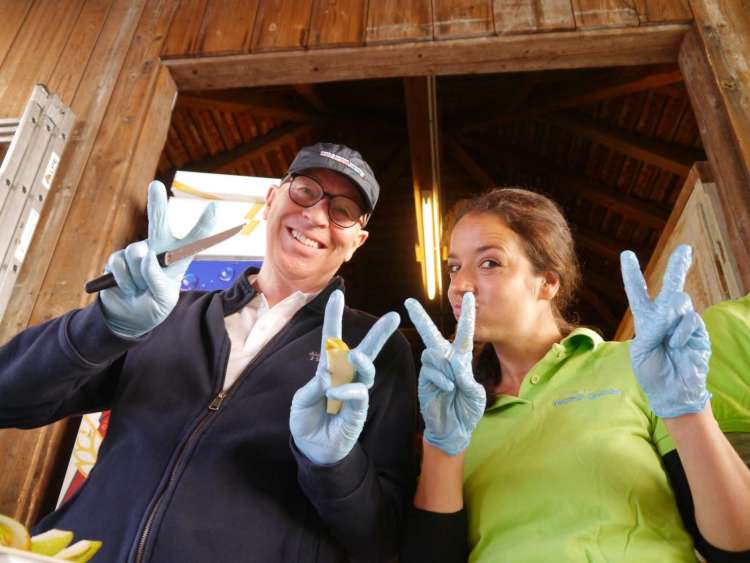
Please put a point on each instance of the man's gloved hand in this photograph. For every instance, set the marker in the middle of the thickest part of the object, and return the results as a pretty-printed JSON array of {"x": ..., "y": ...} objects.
[
  {"x": 671, "y": 348},
  {"x": 450, "y": 399},
  {"x": 146, "y": 293},
  {"x": 324, "y": 438}
]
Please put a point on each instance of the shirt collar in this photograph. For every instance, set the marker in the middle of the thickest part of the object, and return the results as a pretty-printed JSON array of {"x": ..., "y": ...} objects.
[{"x": 582, "y": 337}]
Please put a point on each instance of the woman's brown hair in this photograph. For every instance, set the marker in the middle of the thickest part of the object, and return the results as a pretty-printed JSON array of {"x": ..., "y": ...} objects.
[{"x": 548, "y": 244}]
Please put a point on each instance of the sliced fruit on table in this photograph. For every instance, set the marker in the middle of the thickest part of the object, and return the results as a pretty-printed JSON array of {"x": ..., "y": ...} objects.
[
  {"x": 51, "y": 542},
  {"x": 13, "y": 533}
]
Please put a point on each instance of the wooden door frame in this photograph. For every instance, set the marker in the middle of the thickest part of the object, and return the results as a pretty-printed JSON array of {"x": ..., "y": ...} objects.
[{"x": 548, "y": 51}]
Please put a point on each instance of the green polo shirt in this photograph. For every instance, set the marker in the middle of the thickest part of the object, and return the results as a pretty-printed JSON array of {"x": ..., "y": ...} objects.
[{"x": 570, "y": 470}]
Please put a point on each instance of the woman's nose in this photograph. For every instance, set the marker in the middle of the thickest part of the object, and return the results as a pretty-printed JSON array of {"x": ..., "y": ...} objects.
[{"x": 461, "y": 282}]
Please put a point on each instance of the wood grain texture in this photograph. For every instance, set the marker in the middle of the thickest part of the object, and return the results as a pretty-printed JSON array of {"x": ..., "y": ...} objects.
[
  {"x": 227, "y": 27},
  {"x": 337, "y": 23},
  {"x": 462, "y": 18},
  {"x": 91, "y": 100},
  {"x": 282, "y": 25},
  {"x": 525, "y": 16},
  {"x": 399, "y": 20},
  {"x": 93, "y": 211},
  {"x": 509, "y": 53},
  {"x": 129, "y": 221},
  {"x": 75, "y": 56},
  {"x": 724, "y": 27},
  {"x": 14, "y": 13},
  {"x": 26, "y": 64},
  {"x": 720, "y": 138},
  {"x": 662, "y": 11},
  {"x": 605, "y": 13},
  {"x": 184, "y": 33}
]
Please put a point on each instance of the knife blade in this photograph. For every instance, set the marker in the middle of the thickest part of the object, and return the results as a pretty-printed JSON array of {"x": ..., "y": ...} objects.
[{"x": 169, "y": 257}]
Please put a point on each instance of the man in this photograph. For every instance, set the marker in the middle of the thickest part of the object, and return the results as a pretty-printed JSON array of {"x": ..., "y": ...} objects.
[{"x": 219, "y": 446}]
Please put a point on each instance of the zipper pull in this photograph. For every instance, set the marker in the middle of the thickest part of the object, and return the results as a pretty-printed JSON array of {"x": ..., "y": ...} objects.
[{"x": 216, "y": 403}]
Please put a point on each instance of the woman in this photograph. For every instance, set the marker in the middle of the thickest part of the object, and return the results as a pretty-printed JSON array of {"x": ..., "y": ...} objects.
[{"x": 573, "y": 458}]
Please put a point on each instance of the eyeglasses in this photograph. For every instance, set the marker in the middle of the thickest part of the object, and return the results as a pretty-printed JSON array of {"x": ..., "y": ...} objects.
[{"x": 343, "y": 210}]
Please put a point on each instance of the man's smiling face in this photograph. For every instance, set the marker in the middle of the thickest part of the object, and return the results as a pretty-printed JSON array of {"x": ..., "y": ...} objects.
[{"x": 303, "y": 244}]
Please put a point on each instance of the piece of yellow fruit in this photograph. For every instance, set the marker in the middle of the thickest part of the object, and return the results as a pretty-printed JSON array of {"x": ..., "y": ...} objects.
[
  {"x": 51, "y": 541},
  {"x": 341, "y": 370},
  {"x": 80, "y": 552},
  {"x": 13, "y": 533}
]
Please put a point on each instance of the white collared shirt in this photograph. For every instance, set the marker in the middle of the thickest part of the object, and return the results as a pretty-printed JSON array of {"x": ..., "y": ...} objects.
[{"x": 254, "y": 325}]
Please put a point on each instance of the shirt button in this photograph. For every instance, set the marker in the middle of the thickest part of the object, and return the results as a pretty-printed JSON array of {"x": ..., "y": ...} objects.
[{"x": 535, "y": 379}]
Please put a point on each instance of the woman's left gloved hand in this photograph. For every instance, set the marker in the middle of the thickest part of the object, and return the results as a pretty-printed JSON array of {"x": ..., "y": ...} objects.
[
  {"x": 671, "y": 349},
  {"x": 450, "y": 399}
]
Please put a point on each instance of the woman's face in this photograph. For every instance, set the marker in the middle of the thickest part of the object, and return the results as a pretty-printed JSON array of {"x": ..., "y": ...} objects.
[{"x": 487, "y": 258}]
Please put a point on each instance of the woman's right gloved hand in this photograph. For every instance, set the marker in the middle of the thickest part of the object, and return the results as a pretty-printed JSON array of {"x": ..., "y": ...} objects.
[{"x": 450, "y": 399}]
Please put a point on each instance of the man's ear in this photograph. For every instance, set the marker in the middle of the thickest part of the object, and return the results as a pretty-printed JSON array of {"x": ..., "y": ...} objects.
[
  {"x": 358, "y": 241},
  {"x": 550, "y": 286},
  {"x": 270, "y": 195}
]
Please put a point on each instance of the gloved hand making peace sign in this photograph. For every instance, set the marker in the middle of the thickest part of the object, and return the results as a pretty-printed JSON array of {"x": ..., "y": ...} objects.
[
  {"x": 450, "y": 399},
  {"x": 327, "y": 438},
  {"x": 146, "y": 293},
  {"x": 671, "y": 348}
]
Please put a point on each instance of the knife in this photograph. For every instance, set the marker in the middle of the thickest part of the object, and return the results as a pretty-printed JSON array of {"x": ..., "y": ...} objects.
[{"x": 169, "y": 257}]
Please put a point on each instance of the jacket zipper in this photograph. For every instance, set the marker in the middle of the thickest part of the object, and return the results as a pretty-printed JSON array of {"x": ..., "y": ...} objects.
[{"x": 212, "y": 407}]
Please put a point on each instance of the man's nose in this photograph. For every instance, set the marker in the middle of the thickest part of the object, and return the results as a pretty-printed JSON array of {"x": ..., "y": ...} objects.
[{"x": 317, "y": 214}]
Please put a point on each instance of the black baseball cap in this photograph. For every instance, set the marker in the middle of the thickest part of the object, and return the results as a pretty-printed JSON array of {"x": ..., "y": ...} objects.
[{"x": 343, "y": 160}]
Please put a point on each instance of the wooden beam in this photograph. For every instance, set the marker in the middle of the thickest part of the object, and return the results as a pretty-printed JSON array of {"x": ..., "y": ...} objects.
[
  {"x": 644, "y": 212},
  {"x": 259, "y": 146},
  {"x": 673, "y": 158},
  {"x": 724, "y": 27},
  {"x": 556, "y": 50},
  {"x": 729, "y": 161},
  {"x": 609, "y": 84},
  {"x": 590, "y": 296},
  {"x": 257, "y": 103},
  {"x": 312, "y": 96},
  {"x": 424, "y": 145},
  {"x": 609, "y": 285},
  {"x": 603, "y": 245},
  {"x": 471, "y": 166}
]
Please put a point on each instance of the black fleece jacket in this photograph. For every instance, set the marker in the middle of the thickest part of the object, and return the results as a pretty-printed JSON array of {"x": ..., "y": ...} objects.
[{"x": 184, "y": 476}]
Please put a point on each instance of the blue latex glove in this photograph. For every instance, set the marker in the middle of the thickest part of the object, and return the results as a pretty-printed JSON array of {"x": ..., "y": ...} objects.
[
  {"x": 450, "y": 399},
  {"x": 327, "y": 438},
  {"x": 671, "y": 348},
  {"x": 146, "y": 293}
]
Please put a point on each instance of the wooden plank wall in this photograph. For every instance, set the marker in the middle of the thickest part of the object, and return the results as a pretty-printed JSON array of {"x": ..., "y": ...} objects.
[
  {"x": 102, "y": 57},
  {"x": 237, "y": 27}
]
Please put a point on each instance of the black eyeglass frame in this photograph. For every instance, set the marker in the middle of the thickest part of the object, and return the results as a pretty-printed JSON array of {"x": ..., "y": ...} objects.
[{"x": 364, "y": 216}]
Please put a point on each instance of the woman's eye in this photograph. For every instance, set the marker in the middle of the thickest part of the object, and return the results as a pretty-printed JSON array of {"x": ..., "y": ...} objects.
[
  {"x": 453, "y": 268},
  {"x": 486, "y": 264}
]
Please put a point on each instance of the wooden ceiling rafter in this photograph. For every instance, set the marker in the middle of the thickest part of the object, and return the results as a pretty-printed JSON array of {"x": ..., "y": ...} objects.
[
  {"x": 595, "y": 191},
  {"x": 259, "y": 103},
  {"x": 587, "y": 293},
  {"x": 455, "y": 148},
  {"x": 424, "y": 147},
  {"x": 607, "y": 285},
  {"x": 257, "y": 148},
  {"x": 603, "y": 245},
  {"x": 609, "y": 84},
  {"x": 667, "y": 156},
  {"x": 312, "y": 96}
]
